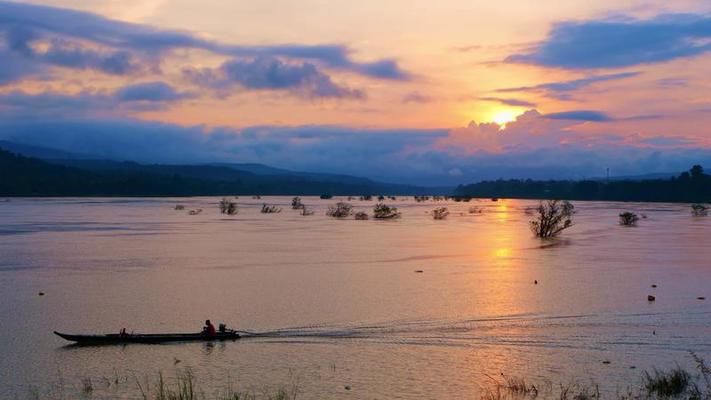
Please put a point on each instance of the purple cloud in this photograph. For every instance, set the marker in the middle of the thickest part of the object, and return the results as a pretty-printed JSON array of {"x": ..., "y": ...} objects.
[
  {"x": 22, "y": 24},
  {"x": 621, "y": 43},
  {"x": 150, "y": 91},
  {"x": 580, "y": 115},
  {"x": 267, "y": 73}
]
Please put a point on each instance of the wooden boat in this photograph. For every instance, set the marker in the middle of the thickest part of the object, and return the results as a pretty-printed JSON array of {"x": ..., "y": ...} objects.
[{"x": 151, "y": 338}]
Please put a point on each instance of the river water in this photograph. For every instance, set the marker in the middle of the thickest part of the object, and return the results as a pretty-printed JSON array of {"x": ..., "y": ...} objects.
[{"x": 341, "y": 310}]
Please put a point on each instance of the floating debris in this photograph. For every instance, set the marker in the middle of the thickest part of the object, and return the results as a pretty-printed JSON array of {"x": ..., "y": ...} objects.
[
  {"x": 654, "y": 285},
  {"x": 40, "y": 294},
  {"x": 535, "y": 282},
  {"x": 701, "y": 298},
  {"x": 179, "y": 207},
  {"x": 195, "y": 212},
  {"x": 419, "y": 271},
  {"x": 651, "y": 298}
]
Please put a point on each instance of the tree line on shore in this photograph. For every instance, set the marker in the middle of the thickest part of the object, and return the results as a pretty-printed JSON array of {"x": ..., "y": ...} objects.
[{"x": 693, "y": 186}]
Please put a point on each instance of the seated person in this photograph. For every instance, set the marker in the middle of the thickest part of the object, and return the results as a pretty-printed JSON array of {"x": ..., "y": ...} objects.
[{"x": 209, "y": 328}]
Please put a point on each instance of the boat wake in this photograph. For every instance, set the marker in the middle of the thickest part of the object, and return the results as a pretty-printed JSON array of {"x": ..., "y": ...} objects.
[{"x": 589, "y": 332}]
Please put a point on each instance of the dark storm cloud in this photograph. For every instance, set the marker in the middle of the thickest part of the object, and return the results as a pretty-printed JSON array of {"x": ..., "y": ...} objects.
[{"x": 610, "y": 43}]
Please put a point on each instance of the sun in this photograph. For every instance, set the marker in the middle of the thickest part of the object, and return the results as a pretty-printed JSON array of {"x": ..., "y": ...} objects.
[{"x": 505, "y": 116}]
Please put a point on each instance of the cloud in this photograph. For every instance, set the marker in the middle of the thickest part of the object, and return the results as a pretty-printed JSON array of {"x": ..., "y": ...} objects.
[
  {"x": 267, "y": 73},
  {"x": 87, "y": 104},
  {"x": 151, "y": 91},
  {"x": 416, "y": 97},
  {"x": 560, "y": 89},
  {"x": 509, "y": 102},
  {"x": 621, "y": 43},
  {"x": 124, "y": 46},
  {"x": 580, "y": 115}
]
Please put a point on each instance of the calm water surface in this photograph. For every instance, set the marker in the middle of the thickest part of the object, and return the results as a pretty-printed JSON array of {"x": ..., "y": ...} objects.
[{"x": 340, "y": 300}]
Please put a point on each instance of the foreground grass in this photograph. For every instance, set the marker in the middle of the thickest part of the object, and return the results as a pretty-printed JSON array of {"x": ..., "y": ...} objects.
[
  {"x": 183, "y": 386},
  {"x": 675, "y": 383}
]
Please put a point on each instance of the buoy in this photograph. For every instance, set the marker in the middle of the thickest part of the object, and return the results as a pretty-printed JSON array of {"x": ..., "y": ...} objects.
[
  {"x": 654, "y": 286},
  {"x": 651, "y": 298},
  {"x": 347, "y": 387},
  {"x": 41, "y": 293},
  {"x": 535, "y": 282}
]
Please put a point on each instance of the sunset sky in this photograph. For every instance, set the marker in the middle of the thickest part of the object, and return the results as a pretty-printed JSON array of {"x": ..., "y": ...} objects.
[{"x": 423, "y": 92}]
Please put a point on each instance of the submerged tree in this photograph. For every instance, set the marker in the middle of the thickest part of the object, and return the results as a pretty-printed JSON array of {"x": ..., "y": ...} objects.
[
  {"x": 270, "y": 209},
  {"x": 440, "y": 213},
  {"x": 361, "y": 215},
  {"x": 228, "y": 207},
  {"x": 553, "y": 217},
  {"x": 296, "y": 203},
  {"x": 382, "y": 211},
  {"x": 628, "y": 219},
  {"x": 340, "y": 210},
  {"x": 699, "y": 210}
]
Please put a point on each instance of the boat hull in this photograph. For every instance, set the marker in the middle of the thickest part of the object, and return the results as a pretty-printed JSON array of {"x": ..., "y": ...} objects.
[{"x": 114, "y": 338}]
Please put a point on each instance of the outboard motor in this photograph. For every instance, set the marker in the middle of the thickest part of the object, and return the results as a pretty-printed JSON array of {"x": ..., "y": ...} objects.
[{"x": 223, "y": 328}]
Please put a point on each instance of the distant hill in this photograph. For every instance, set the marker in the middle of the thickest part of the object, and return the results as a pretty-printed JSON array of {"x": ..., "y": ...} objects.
[
  {"x": 250, "y": 173},
  {"x": 28, "y": 176},
  {"x": 40, "y": 152}
]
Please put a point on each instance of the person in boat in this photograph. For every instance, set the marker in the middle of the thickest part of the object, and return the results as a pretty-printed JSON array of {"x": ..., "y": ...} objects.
[{"x": 209, "y": 329}]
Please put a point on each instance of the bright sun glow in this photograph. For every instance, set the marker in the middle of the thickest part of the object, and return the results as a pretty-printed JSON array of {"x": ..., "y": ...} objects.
[{"x": 505, "y": 116}]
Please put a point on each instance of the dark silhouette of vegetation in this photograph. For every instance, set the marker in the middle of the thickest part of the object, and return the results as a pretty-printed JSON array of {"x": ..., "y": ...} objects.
[
  {"x": 228, "y": 207},
  {"x": 382, "y": 211},
  {"x": 552, "y": 217},
  {"x": 440, "y": 213},
  {"x": 699, "y": 210},
  {"x": 361, "y": 215},
  {"x": 693, "y": 186},
  {"x": 628, "y": 219},
  {"x": 270, "y": 209},
  {"x": 340, "y": 210},
  {"x": 296, "y": 203}
]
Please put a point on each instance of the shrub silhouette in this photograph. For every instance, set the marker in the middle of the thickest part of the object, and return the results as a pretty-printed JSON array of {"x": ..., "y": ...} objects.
[
  {"x": 699, "y": 210},
  {"x": 553, "y": 216},
  {"x": 228, "y": 207},
  {"x": 270, "y": 209},
  {"x": 340, "y": 210},
  {"x": 628, "y": 219},
  {"x": 440, "y": 213},
  {"x": 361, "y": 215},
  {"x": 382, "y": 211}
]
